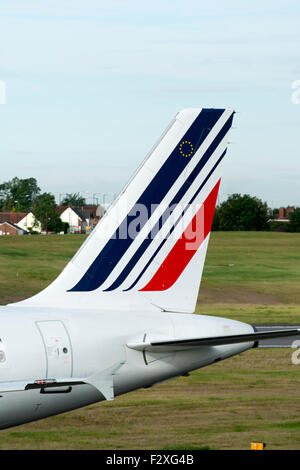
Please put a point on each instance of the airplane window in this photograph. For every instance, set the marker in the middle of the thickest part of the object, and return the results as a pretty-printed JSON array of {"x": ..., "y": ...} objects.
[{"x": 2, "y": 356}]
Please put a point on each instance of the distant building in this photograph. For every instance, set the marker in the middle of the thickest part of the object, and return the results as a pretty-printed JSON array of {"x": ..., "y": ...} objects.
[
  {"x": 70, "y": 216},
  {"x": 282, "y": 214},
  {"x": 26, "y": 221},
  {"x": 80, "y": 219},
  {"x": 288, "y": 211},
  {"x": 6, "y": 228}
]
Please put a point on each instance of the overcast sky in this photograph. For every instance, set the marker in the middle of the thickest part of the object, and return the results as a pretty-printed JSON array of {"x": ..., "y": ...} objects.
[{"x": 91, "y": 85}]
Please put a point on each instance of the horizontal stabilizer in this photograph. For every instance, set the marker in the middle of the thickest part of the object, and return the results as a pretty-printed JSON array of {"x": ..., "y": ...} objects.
[{"x": 190, "y": 343}]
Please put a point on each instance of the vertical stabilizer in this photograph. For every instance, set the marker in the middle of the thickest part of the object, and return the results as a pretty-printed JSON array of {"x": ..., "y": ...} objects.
[{"x": 148, "y": 250}]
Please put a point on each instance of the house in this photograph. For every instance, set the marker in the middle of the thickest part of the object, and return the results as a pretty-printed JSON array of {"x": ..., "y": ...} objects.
[
  {"x": 6, "y": 228},
  {"x": 24, "y": 220},
  {"x": 80, "y": 219},
  {"x": 91, "y": 216},
  {"x": 70, "y": 216}
]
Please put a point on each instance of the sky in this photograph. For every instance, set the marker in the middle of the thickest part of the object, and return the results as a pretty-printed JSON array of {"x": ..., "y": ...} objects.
[{"x": 89, "y": 86}]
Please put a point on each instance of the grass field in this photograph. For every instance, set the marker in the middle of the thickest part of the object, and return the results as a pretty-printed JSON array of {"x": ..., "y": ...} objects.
[{"x": 253, "y": 277}]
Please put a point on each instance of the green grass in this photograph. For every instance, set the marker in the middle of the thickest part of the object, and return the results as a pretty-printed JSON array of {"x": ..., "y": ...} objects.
[
  {"x": 253, "y": 396},
  {"x": 256, "y": 261},
  {"x": 253, "y": 277},
  {"x": 29, "y": 263},
  {"x": 248, "y": 276}
]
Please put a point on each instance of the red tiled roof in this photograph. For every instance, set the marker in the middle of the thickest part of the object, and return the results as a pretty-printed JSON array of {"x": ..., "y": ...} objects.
[
  {"x": 61, "y": 209},
  {"x": 12, "y": 217}
]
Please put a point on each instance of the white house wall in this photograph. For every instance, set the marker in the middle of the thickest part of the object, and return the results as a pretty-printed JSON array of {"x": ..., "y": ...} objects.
[
  {"x": 69, "y": 216},
  {"x": 28, "y": 222}
]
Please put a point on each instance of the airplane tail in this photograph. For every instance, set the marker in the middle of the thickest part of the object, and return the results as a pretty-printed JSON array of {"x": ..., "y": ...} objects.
[{"x": 148, "y": 250}]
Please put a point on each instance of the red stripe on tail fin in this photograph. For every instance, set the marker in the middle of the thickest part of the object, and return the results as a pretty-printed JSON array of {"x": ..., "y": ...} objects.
[{"x": 186, "y": 246}]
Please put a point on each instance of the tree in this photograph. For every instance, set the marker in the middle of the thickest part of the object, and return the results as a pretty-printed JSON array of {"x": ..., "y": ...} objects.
[
  {"x": 18, "y": 194},
  {"x": 242, "y": 213},
  {"x": 45, "y": 211},
  {"x": 73, "y": 200},
  {"x": 294, "y": 224}
]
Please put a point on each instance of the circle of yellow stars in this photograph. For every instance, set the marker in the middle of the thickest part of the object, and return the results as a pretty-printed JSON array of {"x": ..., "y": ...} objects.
[{"x": 184, "y": 152}]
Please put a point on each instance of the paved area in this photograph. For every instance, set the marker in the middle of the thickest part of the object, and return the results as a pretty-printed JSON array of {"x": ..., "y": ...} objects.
[{"x": 286, "y": 342}]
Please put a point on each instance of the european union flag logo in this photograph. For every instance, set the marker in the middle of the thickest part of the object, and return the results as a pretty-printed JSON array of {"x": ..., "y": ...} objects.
[{"x": 186, "y": 148}]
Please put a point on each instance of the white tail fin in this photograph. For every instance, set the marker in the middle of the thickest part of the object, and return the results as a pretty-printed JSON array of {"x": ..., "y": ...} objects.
[{"x": 148, "y": 250}]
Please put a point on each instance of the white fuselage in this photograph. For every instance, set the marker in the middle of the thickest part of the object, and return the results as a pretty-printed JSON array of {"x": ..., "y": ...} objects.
[{"x": 44, "y": 343}]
